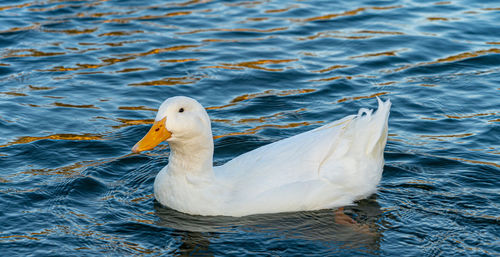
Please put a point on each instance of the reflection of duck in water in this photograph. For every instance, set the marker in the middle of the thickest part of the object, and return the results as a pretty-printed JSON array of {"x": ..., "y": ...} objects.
[
  {"x": 326, "y": 167},
  {"x": 318, "y": 229}
]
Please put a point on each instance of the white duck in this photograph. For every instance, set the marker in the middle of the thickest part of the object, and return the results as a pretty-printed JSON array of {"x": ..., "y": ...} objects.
[{"x": 327, "y": 167}]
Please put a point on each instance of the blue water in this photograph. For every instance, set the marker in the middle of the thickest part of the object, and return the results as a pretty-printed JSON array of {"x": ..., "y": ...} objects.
[{"x": 80, "y": 82}]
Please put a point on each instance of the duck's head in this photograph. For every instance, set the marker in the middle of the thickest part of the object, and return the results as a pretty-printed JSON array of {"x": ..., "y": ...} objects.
[{"x": 179, "y": 119}]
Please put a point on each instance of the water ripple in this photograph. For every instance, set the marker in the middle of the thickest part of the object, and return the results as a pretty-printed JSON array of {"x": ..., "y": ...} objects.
[{"x": 81, "y": 82}]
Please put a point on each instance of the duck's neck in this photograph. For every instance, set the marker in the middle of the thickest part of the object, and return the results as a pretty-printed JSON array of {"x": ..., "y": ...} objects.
[{"x": 192, "y": 157}]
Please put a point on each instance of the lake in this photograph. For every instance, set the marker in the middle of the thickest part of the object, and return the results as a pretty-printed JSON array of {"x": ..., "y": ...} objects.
[{"x": 80, "y": 83}]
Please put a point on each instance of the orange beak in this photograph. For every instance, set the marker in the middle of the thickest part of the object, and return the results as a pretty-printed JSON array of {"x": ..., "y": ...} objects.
[{"x": 157, "y": 134}]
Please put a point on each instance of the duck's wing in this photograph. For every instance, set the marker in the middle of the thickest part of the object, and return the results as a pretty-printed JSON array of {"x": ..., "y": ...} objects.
[
  {"x": 337, "y": 153},
  {"x": 297, "y": 158}
]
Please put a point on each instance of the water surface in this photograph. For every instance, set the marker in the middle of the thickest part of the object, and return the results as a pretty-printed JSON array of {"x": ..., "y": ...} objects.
[{"x": 80, "y": 82}]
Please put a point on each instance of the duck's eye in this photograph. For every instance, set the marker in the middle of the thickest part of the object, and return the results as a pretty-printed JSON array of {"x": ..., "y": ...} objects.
[{"x": 181, "y": 110}]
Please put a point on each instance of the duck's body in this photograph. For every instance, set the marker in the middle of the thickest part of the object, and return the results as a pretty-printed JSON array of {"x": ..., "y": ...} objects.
[{"x": 330, "y": 166}]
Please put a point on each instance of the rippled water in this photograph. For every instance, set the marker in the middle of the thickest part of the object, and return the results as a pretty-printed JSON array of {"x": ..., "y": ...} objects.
[{"x": 81, "y": 80}]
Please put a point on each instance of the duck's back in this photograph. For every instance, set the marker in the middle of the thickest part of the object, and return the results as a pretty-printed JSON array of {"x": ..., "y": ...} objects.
[{"x": 327, "y": 167}]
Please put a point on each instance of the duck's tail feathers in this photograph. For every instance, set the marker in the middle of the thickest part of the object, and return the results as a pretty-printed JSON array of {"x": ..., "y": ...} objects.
[{"x": 371, "y": 128}]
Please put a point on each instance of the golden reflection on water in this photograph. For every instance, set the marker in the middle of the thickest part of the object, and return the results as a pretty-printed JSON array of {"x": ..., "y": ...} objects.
[
  {"x": 29, "y": 53},
  {"x": 346, "y": 13},
  {"x": 357, "y": 35},
  {"x": 343, "y": 77},
  {"x": 334, "y": 34},
  {"x": 470, "y": 115},
  {"x": 234, "y": 30},
  {"x": 270, "y": 92},
  {"x": 361, "y": 97},
  {"x": 180, "y": 60},
  {"x": 171, "y": 81},
  {"x": 446, "y": 137},
  {"x": 146, "y": 17},
  {"x": 112, "y": 44},
  {"x": 273, "y": 92},
  {"x": 441, "y": 19},
  {"x": 105, "y": 61},
  {"x": 72, "y": 31},
  {"x": 143, "y": 198},
  {"x": 467, "y": 55},
  {"x": 253, "y": 65},
  {"x": 132, "y": 122},
  {"x": 163, "y": 50},
  {"x": 385, "y": 53},
  {"x": 381, "y": 32},
  {"x": 263, "y": 119},
  {"x": 72, "y": 169},
  {"x": 282, "y": 9},
  {"x": 54, "y": 97},
  {"x": 126, "y": 70},
  {"x": 330, "y": 78},
  {"x": 13, "y": 93},
  {"x": 83, "y": 106},
  {"x": 247, "y": 4},
  {"x": 14, "y": 238},
  {"x": 216, "y": 40},
  {"x": 37, "y": 88},
  {"x": 137, "y": 108},
  {"x": 8, "y": 7},
  {"x": 32, "y": 88},
  {"x": 73, "y": 137},
  {"x": 120, "y": 33},
  {"x": 466, "y": 160},
  {"x": 453, "y": 58},
  {"x": 387, "y": 83},
  {"x": 261, "y": 127},
  {"x": 334, "y": 67},
  {"x": 61, "y": 6}
]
